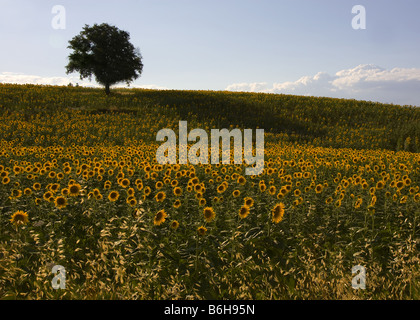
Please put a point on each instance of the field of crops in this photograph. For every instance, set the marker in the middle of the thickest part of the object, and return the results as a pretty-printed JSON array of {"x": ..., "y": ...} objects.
[{"x": 80, "y": 187}]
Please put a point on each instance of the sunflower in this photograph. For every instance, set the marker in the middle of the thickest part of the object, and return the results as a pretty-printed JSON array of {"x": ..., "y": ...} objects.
[
  {"x": 36, "y": 186},
  {"x": 125, "y": 183},
  {"x": 177, "y": 191},
  {"x": 197, "y": 188},
  {"x": 74, "y": 189},
  {"x": 400, "y": 184},
  {"x": 277, "y": 213},
  {"x": 130, "y": 192},
  {"x": 243, "y": 212},
  {"x": 160, "y": 196},
  {"x": 380, "y": 185},
  {"x": 113, "y": 196},
  {"x": 48, "y": 195},
  {"x": 373, "y": 200},
  {"x": 209, "y": 214},
  {"x": 318, "y": 188},
  {"x": 201, "y": 230},
  {"x": 60, "y": 202},
  {"x": 160, "y": 218},
  {"x": 54, "y": 187},
  {"x": 131, "y": 201},
  {"x": 174, "y": 225},
  {"x": 139, "y": 186},
  {"x": 241, "y": 180},
  {"x": 17, "y": 170},
  {"x": 65, "y": 192},
  {"x": 337, "y": 204},
  {"x": 147, "y": 191},
  {"x": 358, "y": 203},
  {"x": 236, "y": 193},
  {"x": 221, "y": 188},
  {"x": 19, "y": 218},
  {"x": 249, "y": 202},
  {"x": 16, "y": 193},
  {"x": 5, "y": 180},
  {"x": 283, "y": 192},
  {"x": 177, "y": 203}
]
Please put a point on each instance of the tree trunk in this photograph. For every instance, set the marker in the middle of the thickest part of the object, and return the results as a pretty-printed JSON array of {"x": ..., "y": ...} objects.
[{"x": 107, "y": 91}]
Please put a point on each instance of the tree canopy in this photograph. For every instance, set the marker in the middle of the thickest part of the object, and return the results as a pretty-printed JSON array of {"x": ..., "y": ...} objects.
[{"x": 105, "y": 52}]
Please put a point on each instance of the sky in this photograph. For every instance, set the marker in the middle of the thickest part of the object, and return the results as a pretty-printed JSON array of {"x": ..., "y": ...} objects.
[{"x": 303, "y": 47}]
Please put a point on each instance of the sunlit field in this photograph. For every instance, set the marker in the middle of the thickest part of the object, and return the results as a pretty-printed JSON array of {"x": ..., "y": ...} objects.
[{"x": 80, "y": 187}]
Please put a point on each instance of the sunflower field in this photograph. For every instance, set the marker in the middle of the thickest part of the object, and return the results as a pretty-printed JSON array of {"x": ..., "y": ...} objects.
[{"x": 80, "y": 187}]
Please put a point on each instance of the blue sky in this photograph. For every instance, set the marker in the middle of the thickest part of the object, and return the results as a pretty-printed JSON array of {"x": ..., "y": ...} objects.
[{"x": 303, "y": 47}]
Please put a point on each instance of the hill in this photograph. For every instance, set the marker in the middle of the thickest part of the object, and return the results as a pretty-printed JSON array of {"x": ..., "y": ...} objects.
[{"x": 326, "y": 122}]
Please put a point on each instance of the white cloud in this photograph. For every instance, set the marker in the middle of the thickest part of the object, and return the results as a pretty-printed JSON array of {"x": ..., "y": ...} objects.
[
  {"x": 148, "y": 86},
  {"x": 256, "y": 86},
  {"x": 364, "y": 82},
  {"x": 20, "y": 78}
]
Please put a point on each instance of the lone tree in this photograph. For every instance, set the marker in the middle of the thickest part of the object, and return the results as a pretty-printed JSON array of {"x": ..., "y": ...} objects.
[{"x": 105, "y": 52}]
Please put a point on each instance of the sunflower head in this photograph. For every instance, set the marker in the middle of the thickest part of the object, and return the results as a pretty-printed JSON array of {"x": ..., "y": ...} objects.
[
  {"x": 177, "y": 203},
  {"x": 249, "y": 202},
  {"x": 74, "y": 189},
  {"x": 160, "y": 196},
  {"x": 318, "y": 188},
  {"x": 19, "y": 218},
  {"x": 113, "y": 196},
  {"x": 147, "y": 191},
  {"x": 177, "y": 191},
  {"x": 60, "y": 202},
  {"x": 241, "y": 180},
  {"x": 201, "y": 231},
  {"x": 125, "y": 183},
  {"x": 174, "y": 225},
  {"x": 277, "y": 213},
  {"x": 209, "y": 214},
  {"x": 160, "y": 217},
  {"x": 243, "y": 212}
]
